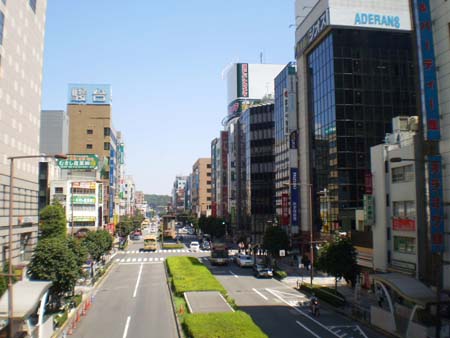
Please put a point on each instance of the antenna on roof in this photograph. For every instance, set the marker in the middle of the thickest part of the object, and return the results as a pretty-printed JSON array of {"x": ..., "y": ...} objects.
[{"x": 261, "y": 57}]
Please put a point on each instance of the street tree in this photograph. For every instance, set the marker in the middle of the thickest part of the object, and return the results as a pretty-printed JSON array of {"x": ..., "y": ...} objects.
[
  {"x": 338, "y": 258},
  {"x": 80, "y": 251},
  {"x": 54, "y": 261},
  {"x": 274, "y": 240},
  {"x": 212, "y": 225},
  {"x": 98, "y": 243},
  {"x": 52, "y": 221}
]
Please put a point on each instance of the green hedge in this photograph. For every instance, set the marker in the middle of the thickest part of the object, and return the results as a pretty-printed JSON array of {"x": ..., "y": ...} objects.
[
  {"x": 279, "y": 274},
  {"x": 221, "y": 325},
  {"x": 60, "y": 318},
  {"x": 173, "y": 246},
  {"x": 326, "y": 294},
  {"x": 188, "y": 274}
]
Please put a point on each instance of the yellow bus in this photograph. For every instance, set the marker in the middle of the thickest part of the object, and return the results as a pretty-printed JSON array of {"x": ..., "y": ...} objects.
[{"x": 150, "y": 243}]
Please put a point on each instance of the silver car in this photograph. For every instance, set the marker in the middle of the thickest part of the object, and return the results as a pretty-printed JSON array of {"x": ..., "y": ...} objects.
[{"x": 244, "y": 260}]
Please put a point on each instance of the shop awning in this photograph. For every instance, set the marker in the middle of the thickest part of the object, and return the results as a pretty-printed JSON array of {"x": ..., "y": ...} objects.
[
  {"x": 26, "y": 297},
  {"x": 408, "y": 287}
]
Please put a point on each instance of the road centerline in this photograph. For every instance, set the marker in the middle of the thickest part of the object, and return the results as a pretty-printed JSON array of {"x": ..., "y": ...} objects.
[
  {"x": 137, "y": 282},
  {"x": 127, "y": 325}
]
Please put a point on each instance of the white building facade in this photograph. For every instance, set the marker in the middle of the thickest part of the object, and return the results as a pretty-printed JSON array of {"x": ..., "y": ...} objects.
[{"x": 22, "y": 28}]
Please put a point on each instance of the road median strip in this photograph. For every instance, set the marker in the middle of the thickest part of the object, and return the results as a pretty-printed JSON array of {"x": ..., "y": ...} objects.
[{"x": 189, "y": 274}]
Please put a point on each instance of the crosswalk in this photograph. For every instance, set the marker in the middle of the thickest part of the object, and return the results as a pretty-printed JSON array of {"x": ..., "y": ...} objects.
[
  {"x": 140, "y": 259},
  {"x": 162, "y": 251}
]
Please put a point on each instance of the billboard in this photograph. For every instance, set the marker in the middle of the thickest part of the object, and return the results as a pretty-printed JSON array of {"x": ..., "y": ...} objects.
[
  {"x": 284, "y": 209},
  {"x": 294, "y": 197},
  {"x": 242, "y": 79},
  {"x": 372, "y": 14},
  {"x": 97, "y": 94},
  {"x": 85, "y": 199},
  {"x": 436, "y": 204},
  {"x": 79, "y": 162}
]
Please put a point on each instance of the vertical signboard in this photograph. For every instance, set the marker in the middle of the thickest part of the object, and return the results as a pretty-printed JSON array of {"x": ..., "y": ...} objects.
[
  {"x": 284, "y": 209},
  {"x": 427, "y": 66},
  {"x": 242, "y": 80},
  {"x": 436, "y": 204},
  {"x": 368, "y": 183},
  {"x": 286, "y": 111},
  {"x": 294, "y": 197},
  {"x": 369, "y": 209}
]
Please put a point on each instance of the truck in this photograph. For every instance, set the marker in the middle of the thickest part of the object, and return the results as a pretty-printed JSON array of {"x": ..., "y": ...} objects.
[
  {"x": 219, "y": 254},
  {"x": 150, "y": 242}
]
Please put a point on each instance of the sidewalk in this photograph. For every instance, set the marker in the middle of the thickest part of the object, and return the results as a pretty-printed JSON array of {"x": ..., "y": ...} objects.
[{"x": 359, "y": 302}]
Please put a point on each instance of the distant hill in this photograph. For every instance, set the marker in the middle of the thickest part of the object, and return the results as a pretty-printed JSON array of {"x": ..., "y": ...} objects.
[{"x": 158, "y": 202}]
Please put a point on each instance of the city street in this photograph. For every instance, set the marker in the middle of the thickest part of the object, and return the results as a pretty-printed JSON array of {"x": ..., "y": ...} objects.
[
  {"x": 282, "y": 311},
  {"x": 133, "y": 300}
]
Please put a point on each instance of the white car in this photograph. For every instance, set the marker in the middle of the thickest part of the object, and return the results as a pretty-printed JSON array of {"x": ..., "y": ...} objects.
[
  {"x": 244, "y": 260},
  {"x": 194, "y": 246}
]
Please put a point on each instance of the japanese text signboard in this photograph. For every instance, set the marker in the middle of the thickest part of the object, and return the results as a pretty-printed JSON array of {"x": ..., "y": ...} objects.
[
  {"x": 79, "y": 162},
  {"x": 428, "y": 70},
  {"x": 436, "y": 204}
]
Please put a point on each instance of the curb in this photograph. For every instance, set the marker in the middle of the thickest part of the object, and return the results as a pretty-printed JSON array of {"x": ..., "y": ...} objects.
[{"x": 174, "y": 309}]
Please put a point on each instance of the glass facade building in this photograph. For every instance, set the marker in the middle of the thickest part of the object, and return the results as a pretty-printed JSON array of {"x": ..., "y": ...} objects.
[
  {"x": 256, "y": 169},
  {"x": 358, "y": 80},
  {"x": 285, "y": 122}
]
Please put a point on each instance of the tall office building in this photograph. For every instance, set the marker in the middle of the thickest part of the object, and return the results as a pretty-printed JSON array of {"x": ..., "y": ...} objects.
[
  {"x": 219, "y": 179},
  {"x": 22, "y": 28},
  {"x": 247, "y": 84},
  {"x": 256, "y": 171},
  {"x": 54, "y": 136},
  {"x": 356, "y": 71},
  {"x": 201, "y": 187},
  {"x": 91, "y": 132},
  {"x": 285, "y": 151}
]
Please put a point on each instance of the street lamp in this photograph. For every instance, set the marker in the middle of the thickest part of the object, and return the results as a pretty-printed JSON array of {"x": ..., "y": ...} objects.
[
  {"x": 10, "y": 230},
  {"x": 311, "y": 237}
]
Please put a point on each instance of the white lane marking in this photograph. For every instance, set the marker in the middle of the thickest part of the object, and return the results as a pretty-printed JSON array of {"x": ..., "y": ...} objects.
[
  {"x": 151, "y": 259},
  {"x": 236, "y": 276},
  {"x": 117, "y": 259},
  {"x": 125, "y": 331},
  {"x": 145, "y": 259},
  {"x": 304, "y": 327},
  {"x": 139, "y": 259},
  {"x": 137, "y": 282},
  {"x": 134, "y": 260},
  {"x": 259, "y": 293},
  {"x": 361, "y": 331},
  {"x": 226, "y": 302},
  {"x": 129, "y": 260},
  {"x": 161, "y": 259},
  {"x": 301, "y": 312}
]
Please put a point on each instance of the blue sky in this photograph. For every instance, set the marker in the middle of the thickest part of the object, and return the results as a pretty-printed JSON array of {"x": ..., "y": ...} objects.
[{"x": 164, "y": 60}]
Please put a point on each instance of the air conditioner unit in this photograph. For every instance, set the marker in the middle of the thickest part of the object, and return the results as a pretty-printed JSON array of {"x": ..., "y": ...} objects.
[
  {"x": 413, "y": 123},
  {"x": 400, "y": 123}
]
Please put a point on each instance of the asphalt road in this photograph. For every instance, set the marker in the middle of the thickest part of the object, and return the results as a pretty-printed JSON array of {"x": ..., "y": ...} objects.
[
  {"x": 133, "y": 300},
  {"x": 281, "y": 311}
]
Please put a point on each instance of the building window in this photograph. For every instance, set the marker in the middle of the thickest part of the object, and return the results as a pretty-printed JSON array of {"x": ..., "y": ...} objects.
[
  {"x": 106, "y": 131},
  {"x": 208, "y": 182},
  {"x": 208, "y": 166},
  {"x": 89, "y": 131},
  {"x": 88, "y": 146},
  {"x": 106, "y": 146},
  {"x": 58, "y": 190},
  {"x": 404, "y": 209},
  {"x": 402, "y": 174},
  {"x": 33, "y": 5},
  {"x": 405, "y": 245},
  {"x": 2, "y": 21}
]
